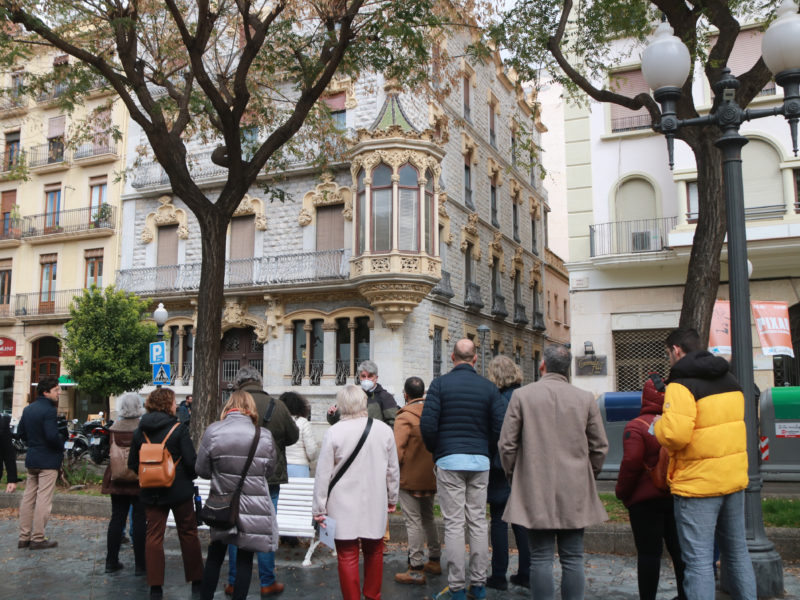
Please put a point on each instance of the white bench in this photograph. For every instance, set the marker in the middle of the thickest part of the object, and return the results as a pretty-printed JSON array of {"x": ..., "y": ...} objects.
[{"x": 294, "y": 510}]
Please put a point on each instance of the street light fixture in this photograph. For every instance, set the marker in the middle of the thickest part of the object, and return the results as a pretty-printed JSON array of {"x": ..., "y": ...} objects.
[
  {"x": 665, "y": 66},
  {"x": 483, "y": 331},
  {"x": 160, "y": 316}
]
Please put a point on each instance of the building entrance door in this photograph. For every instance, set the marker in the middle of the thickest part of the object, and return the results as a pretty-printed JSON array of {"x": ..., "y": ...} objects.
[
  {"x": 240, "y": 348},
  {"x": 45, "y": 361}
]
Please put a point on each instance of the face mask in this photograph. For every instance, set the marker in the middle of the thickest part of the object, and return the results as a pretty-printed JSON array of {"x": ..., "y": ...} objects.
[{"x": 367, "y": 385}]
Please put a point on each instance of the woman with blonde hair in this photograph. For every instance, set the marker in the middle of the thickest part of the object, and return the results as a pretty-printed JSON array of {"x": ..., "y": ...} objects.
[
  {"x": 222, "y": 457},
  {"x": 357, "y": 482},
  {"x": 507, "y": 376}
]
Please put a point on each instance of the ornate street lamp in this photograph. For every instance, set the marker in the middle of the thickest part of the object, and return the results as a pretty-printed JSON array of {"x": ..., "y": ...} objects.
[
  {"x": 160, "y": 316},
  {"x": 483, "y": 331},
  {"x": 666, "y": 65}
]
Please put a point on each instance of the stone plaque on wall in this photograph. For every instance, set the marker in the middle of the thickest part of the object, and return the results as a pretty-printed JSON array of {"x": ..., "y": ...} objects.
[{"x": 590, "y": 365}]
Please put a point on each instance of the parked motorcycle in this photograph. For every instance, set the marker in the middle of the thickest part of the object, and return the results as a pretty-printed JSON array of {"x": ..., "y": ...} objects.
[
  {"x": 76, "y": 444},
  {"x": 20, "y": 447},
  {"x": 100, "y": 443}
]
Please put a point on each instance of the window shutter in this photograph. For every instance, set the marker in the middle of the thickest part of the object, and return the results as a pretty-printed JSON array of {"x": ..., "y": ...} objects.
[
  {"x": 628, "y": 83},
  {"x": 335, "y": 102},
  {"x": 93, "y": 253},
  {"x": 5, "y": 264},
  {"x": 8, "y": 201},
  {"x": 330, "y": 227},
  {"x": 56, "y": 127},
  {"x": 46, "y": 259},
  {"x": 242, "y": 237},
  {"x": 167, "y": 253}
]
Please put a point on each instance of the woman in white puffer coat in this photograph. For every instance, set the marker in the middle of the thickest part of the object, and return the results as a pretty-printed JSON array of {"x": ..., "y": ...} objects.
[
  {"x": 222, "y": 457},
  {"x": 301, "y": 454}
]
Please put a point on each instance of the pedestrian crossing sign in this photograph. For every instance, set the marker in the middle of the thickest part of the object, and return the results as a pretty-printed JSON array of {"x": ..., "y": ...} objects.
[{"x": 161, "y": 374}]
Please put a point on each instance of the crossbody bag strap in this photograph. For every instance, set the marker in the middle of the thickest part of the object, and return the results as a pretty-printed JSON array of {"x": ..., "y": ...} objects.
[
  {"x": 352, "y": 457},
  {"x": 249, "y": 461}
]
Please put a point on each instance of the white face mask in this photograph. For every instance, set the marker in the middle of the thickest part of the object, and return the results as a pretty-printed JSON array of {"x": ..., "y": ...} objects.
[{"x": 367, "y": 385}]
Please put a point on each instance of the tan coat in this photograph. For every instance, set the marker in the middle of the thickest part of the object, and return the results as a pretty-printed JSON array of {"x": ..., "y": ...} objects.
[
  {"x": 552, "y": 445},
  {"x": 359, "y": 501},
  {"x": 416, "y": 463}
]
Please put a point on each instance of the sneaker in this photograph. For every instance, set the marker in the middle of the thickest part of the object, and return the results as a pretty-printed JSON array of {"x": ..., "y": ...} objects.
[
  {"x": 522, "y": 580},
  {"x": 477, "y": 592},
  {"x": 497, "y": 583},
  {"x": 43, "y": 545},
  {"x": 448, "y": 594},
  {"x": 434, "y": 567},
  {"x": 412, "y": 576}
]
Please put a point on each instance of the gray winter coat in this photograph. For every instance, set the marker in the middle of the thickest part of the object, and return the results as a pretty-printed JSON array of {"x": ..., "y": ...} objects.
[{"x": 221, "y": 458}]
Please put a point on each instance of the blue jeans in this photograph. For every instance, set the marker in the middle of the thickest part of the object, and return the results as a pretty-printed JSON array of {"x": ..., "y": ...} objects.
[
  {"x": 298, "y": 470},
  {"x": 697, "y": 519},
  {"x": 570, "y": 553},
  {"x": 266, "y": 560}
]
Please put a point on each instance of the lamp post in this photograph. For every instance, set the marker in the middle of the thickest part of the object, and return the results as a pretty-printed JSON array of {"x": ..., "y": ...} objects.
[
  {"x": 665, "y": 65},
  {"x": 483, "y": 331}
]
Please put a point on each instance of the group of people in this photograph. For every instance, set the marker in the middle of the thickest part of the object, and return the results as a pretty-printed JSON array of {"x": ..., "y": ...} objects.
[{"x": 531, "y": 452}]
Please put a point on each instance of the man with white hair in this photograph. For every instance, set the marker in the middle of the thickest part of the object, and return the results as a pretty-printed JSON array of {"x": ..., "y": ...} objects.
[{"x": 380, "y": 403}]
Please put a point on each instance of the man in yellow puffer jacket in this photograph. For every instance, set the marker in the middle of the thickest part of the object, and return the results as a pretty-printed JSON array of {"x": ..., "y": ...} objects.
[{"x": 703, "y": 428}]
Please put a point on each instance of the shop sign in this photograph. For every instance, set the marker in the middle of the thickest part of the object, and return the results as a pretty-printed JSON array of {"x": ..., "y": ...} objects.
[{"x": 8, "y": 347}]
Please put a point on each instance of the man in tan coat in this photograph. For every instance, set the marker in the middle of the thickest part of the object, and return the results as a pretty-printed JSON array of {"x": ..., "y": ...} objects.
[
  {"x": 552, "y": 446},
  {"x": 417, "y": 487}
]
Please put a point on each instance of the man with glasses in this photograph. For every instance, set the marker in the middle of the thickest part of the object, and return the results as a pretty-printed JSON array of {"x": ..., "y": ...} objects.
[{"x": 39, "y": 429}]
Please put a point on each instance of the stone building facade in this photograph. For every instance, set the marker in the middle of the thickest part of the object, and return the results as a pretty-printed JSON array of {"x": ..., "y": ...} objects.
[{"x": 425, "y": 229}]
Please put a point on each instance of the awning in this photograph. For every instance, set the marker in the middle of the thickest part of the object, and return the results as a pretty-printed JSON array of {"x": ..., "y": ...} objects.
[{"x": 66, "y": 381}]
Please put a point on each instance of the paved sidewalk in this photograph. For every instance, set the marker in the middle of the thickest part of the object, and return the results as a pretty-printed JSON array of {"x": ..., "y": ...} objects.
[{"x": 75, "y": 570}]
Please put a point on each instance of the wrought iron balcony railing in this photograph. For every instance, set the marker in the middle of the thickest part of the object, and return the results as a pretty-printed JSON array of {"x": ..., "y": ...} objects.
[
  {"x": 93, "y": 149},
  {"x": 499, "y": 306},
  {"x": 342, "y": 371},
  {"x": 626, "y": 237},
  {"x": 538, "y": 320},
  {"x": 6, "y": 306},
  {"x": 181, "y": 377},
  {"x": 47, "y": 154},
  {"x": 267, "y": 270},
  {"x": 44, "y": 303},
  {"x": 633, "y": 123},
  {"x": 520, "y": 316},
  {"x": 70, "y": 221},
  {"x": 472, "y": 296},
  {"x": 12, "y": 158},
  {"x": 443, "y": 287},
  {"x": 315, "y": 368},
  {"x": 11, "y": 230}
]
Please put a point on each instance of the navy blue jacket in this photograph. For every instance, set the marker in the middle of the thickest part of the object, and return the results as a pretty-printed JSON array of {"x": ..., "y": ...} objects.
[
  {"x": 499, "y": 488},
  {"x": 39, "y": 428},
  {"x": 463, "y": 414}
]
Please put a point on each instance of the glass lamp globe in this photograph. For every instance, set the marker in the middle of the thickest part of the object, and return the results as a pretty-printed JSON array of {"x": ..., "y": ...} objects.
[
  {"x": 665, "y": 61},
  {"x": 780, "y": 45},
  {"x": 160, "y": 315}
]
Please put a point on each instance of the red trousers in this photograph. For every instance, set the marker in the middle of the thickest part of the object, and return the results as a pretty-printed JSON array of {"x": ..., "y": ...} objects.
[{"x": 347, "y": 552}]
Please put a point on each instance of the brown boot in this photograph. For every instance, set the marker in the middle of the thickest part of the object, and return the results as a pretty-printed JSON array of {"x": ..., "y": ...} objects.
[
  {"x": 412, "y": 576},
  {"x": 272, "y": 590},
  {"x": 229, "y": 590},
  {"x": 43, "y": 545},
  {"x": 434, "y": 567}
]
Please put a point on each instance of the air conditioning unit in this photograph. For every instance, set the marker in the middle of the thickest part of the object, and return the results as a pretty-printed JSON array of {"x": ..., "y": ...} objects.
[{"x": 645, "y": 241}]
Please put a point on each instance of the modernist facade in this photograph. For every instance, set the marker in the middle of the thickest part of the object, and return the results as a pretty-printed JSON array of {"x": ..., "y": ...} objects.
[
  {"x": 425, "y": 229},
  {"x": 631, "y": 225},
  {"x": 59, "y": 209}
]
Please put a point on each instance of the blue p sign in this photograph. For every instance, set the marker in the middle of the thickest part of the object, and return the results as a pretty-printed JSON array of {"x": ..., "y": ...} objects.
[{"x": 158, "y": 352}]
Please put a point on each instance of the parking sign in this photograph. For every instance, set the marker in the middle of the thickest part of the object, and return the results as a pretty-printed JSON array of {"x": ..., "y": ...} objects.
[{"x": 158, "y": 352}]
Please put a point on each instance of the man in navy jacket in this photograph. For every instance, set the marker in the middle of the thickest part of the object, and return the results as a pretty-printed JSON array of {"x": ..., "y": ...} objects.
[
  {"x": 460, "y": 426},
  {"x": 39, "y": 428}
]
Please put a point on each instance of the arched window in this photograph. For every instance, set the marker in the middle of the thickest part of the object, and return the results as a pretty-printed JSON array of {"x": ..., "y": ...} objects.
[
  {"x": 429, "y": 208},
  {"x": 408, "y": 206},
  {"x": 763, "y": 181},
  {"x": 636, "y": 200},
  {"x": 382, "y": 208},
  {"x": 361, "y": 212}
]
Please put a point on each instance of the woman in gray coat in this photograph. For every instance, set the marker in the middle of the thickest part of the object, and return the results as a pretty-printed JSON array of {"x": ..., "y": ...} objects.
[{"x": 221, "y": 457}]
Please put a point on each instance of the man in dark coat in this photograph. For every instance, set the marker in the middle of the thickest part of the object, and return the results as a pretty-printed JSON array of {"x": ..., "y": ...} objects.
[
  {"x": 39, "y": 428},
  {"x": 380, "y": 403},
  {"x": 460, "y": 425},
  {"x": 8, "y": 454},
  {"x": 272, "y": 414},
  {"x": 184, "y": 413}
]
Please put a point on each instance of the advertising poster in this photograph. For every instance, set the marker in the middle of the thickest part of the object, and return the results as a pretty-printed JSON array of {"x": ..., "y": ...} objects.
[{"x": 772, "y": 324}]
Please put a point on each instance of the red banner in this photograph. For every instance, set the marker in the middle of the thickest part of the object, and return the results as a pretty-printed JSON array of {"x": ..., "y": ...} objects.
[
  {"x": 772, "y": 324},
  {"x": 8, "y": 347}
]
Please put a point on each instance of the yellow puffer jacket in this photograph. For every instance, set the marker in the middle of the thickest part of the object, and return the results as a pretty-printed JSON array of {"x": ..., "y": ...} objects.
[{"x": 703, "y": 428}]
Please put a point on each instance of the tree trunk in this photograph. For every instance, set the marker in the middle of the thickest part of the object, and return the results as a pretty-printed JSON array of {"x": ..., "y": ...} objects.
[
  {"x": 206, "y": 405},
  {"x": 703, "y": 273}
]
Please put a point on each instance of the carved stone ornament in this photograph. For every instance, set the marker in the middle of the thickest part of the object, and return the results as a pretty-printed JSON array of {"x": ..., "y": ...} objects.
[
  {"x": 496, "y": 251},
  {"x": 326, "y": 193},
  {"x": 535, "y": 276},
  {"x": 235, "y": 315},
  {"x": 472, "y": 224},
  {"x": 274, "y": 314},
  {"x": 517, "y": 264},
  {"x": 394, "y": 300},
  {"x": 252, "y": 206},
  {"x": 534, "y": 204},
  {"x": 469, "y": 235},
  {"x": 166, "y": 214},
  {"x": 396, "y": 159},
  {"x": 444, "y": 220},
  {"x": 344, "y": 84}
]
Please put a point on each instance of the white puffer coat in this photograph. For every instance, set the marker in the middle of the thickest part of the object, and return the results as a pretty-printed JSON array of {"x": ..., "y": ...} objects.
[{"x": 221, "y": 458}]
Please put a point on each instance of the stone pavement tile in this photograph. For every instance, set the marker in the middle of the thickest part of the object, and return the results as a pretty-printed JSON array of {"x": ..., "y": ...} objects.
[{"x": 74, "y": 570}]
